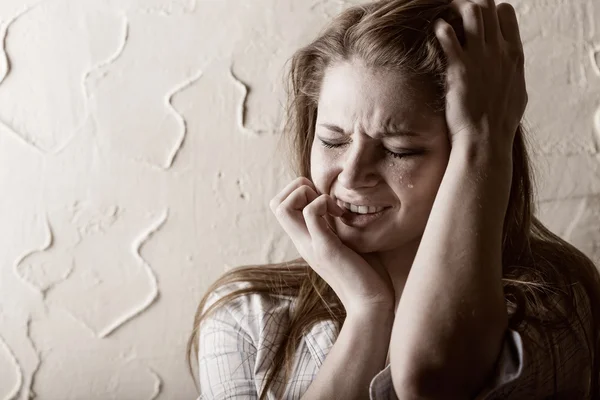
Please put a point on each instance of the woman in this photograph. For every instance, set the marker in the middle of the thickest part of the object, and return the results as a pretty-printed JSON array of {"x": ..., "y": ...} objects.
[{"x": 408, "y": 111}]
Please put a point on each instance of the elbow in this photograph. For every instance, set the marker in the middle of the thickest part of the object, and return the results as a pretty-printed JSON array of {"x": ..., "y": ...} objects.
[
  {"x": 460, "y": 375},
  {"x": 429, "y": 385}
]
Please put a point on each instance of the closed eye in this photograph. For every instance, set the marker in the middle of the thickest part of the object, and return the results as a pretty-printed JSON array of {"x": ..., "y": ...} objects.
[{"x": 391, "y": 153}]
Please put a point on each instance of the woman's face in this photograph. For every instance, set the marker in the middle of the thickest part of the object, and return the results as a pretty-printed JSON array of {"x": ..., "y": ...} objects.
[{"x": 357, "y": 106}]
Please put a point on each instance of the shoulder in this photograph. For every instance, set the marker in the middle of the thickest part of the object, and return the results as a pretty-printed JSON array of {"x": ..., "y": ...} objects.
[{"x": 259, "y": 314}]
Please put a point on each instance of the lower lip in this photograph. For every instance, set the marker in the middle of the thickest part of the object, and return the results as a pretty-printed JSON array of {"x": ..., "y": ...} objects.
[{"x": 361, "y": 220}]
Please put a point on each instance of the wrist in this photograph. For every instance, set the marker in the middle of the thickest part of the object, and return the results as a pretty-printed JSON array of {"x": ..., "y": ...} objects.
[
  {"x": 382, "y": 315},
  {"x": 482, "y": 154}
]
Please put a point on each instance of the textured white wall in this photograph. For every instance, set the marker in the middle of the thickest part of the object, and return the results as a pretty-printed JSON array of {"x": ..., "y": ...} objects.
[{"x": 138, "y": 155}]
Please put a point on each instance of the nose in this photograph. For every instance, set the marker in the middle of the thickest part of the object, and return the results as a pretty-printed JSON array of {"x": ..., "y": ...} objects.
[{"x": 359, "y": 167}]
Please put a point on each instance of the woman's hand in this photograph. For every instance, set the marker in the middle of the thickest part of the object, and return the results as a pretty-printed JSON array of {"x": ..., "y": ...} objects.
[
  {"x": 301, "y": 212},
  {"x": 486, "y": 95}
]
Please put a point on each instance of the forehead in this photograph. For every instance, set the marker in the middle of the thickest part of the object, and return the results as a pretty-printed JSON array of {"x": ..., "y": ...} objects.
[{"x": 352, "y": 93}]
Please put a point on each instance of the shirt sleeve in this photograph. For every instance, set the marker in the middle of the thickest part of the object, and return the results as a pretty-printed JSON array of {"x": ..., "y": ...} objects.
[
  {"x": 550, "y": 364},
  {"x": 508, "y": 369},
  {"x": 546, "y": 363},
  {"x": 226, "y": 358}
]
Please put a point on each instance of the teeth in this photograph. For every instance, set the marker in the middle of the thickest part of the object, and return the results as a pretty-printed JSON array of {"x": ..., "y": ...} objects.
[{"x": 359, "y": 209}]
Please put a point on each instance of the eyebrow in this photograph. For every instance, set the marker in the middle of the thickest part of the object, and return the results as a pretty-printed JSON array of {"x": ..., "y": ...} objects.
[{"x": 385, "y": 133}]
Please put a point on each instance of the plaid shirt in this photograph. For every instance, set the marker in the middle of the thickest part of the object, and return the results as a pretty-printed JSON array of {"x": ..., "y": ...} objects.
[{"x": 236, "y": 349}]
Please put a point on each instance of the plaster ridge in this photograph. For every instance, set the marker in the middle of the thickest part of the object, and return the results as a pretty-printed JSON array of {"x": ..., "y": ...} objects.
[
  {"x": 567, "y": 198},
  {"x": 595, "y": 59},
  {"x": 153, "y": 295},
  {"x": 242, "y": 110},
  {"x": 49, "y": 239},
  {"x": 571, "y": 227},
  {"x": 157, "y": 384},
  {"x": 596, "y": 123},
  {"x": 25, "y": 139},
  {"x": 4, "y": 35},
  {"x": 178, "y": 116},
  {"x": 19, "y": 383},
  {"x": 7, "y": 67},
  {"x": 109, "y": 60},
  {"x": 168, "y": 12},
  {"x": 30, "y": 392}
]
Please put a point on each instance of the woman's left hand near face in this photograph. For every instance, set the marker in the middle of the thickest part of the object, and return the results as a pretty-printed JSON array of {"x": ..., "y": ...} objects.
[{"x": 486, "y": 95}]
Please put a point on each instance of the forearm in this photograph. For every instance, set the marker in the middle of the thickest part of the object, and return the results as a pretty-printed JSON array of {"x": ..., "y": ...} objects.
[
  {"x": 359, "y": 353},
  {"x": 451, "y": 318}
]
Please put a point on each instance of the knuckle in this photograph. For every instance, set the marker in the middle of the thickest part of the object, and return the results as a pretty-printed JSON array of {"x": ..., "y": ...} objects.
[
  {"x": 302, "y": 180},
  {"x": 461, "y": 71},
  {"x": 445, "y": 29},
  {"x": 307, "y": 210},
  {"x": 471, "y": 10},
  {"x": 272, "y": 204},
  {"x": 457, "y": 74},
  {"x": 316, "y": 203},
  {"x": 280, "y": 211}
]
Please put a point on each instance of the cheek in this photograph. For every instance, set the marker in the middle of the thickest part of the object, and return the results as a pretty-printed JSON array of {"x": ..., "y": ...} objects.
[
  {"x": 321, "y": 164},
  {"x": 419, "y": 179},
  {"x": 318, "y": 174},
  {"x": 425, "y": 182}
]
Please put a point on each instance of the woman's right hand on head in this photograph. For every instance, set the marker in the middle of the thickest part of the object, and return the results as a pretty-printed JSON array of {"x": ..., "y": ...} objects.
[{"x": 301, "y": 212}]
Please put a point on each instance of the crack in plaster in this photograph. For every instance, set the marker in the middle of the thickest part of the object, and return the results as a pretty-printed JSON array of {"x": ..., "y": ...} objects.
[
  {"x": 153, "y": 295},
  {"x": 178, "y": 116},
  {"x": 18, "y": 370},
  {"x": 242, "y": 110}
]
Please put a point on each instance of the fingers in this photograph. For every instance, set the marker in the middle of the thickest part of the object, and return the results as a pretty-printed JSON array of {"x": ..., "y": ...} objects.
[
  {"x": 301, "y": 211},
  {"x": 490, "y": 20},
  {"x": 473, "y": 26},
  {"x": 448, "y": 40},
  {"x": 289, "y": 213},
  {"x": 484, "y": 23},
  {"x": 293, "y": 185},
  {"x": 509, "y": 26},
  {"x": 480, "y": 22},
  {"x": 314, "y": 215}
]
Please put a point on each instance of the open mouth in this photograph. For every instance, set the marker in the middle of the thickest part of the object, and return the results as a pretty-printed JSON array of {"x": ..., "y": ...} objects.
[{"x": 361, "y": 220}]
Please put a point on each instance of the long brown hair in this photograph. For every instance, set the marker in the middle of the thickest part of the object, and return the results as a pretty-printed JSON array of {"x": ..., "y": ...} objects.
[{"x": 543, "y": 275}]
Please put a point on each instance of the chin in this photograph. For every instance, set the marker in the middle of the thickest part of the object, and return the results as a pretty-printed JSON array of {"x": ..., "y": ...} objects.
[
  {"x": 364, "y": 242},
  {"x": 361, "y": 244}
]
